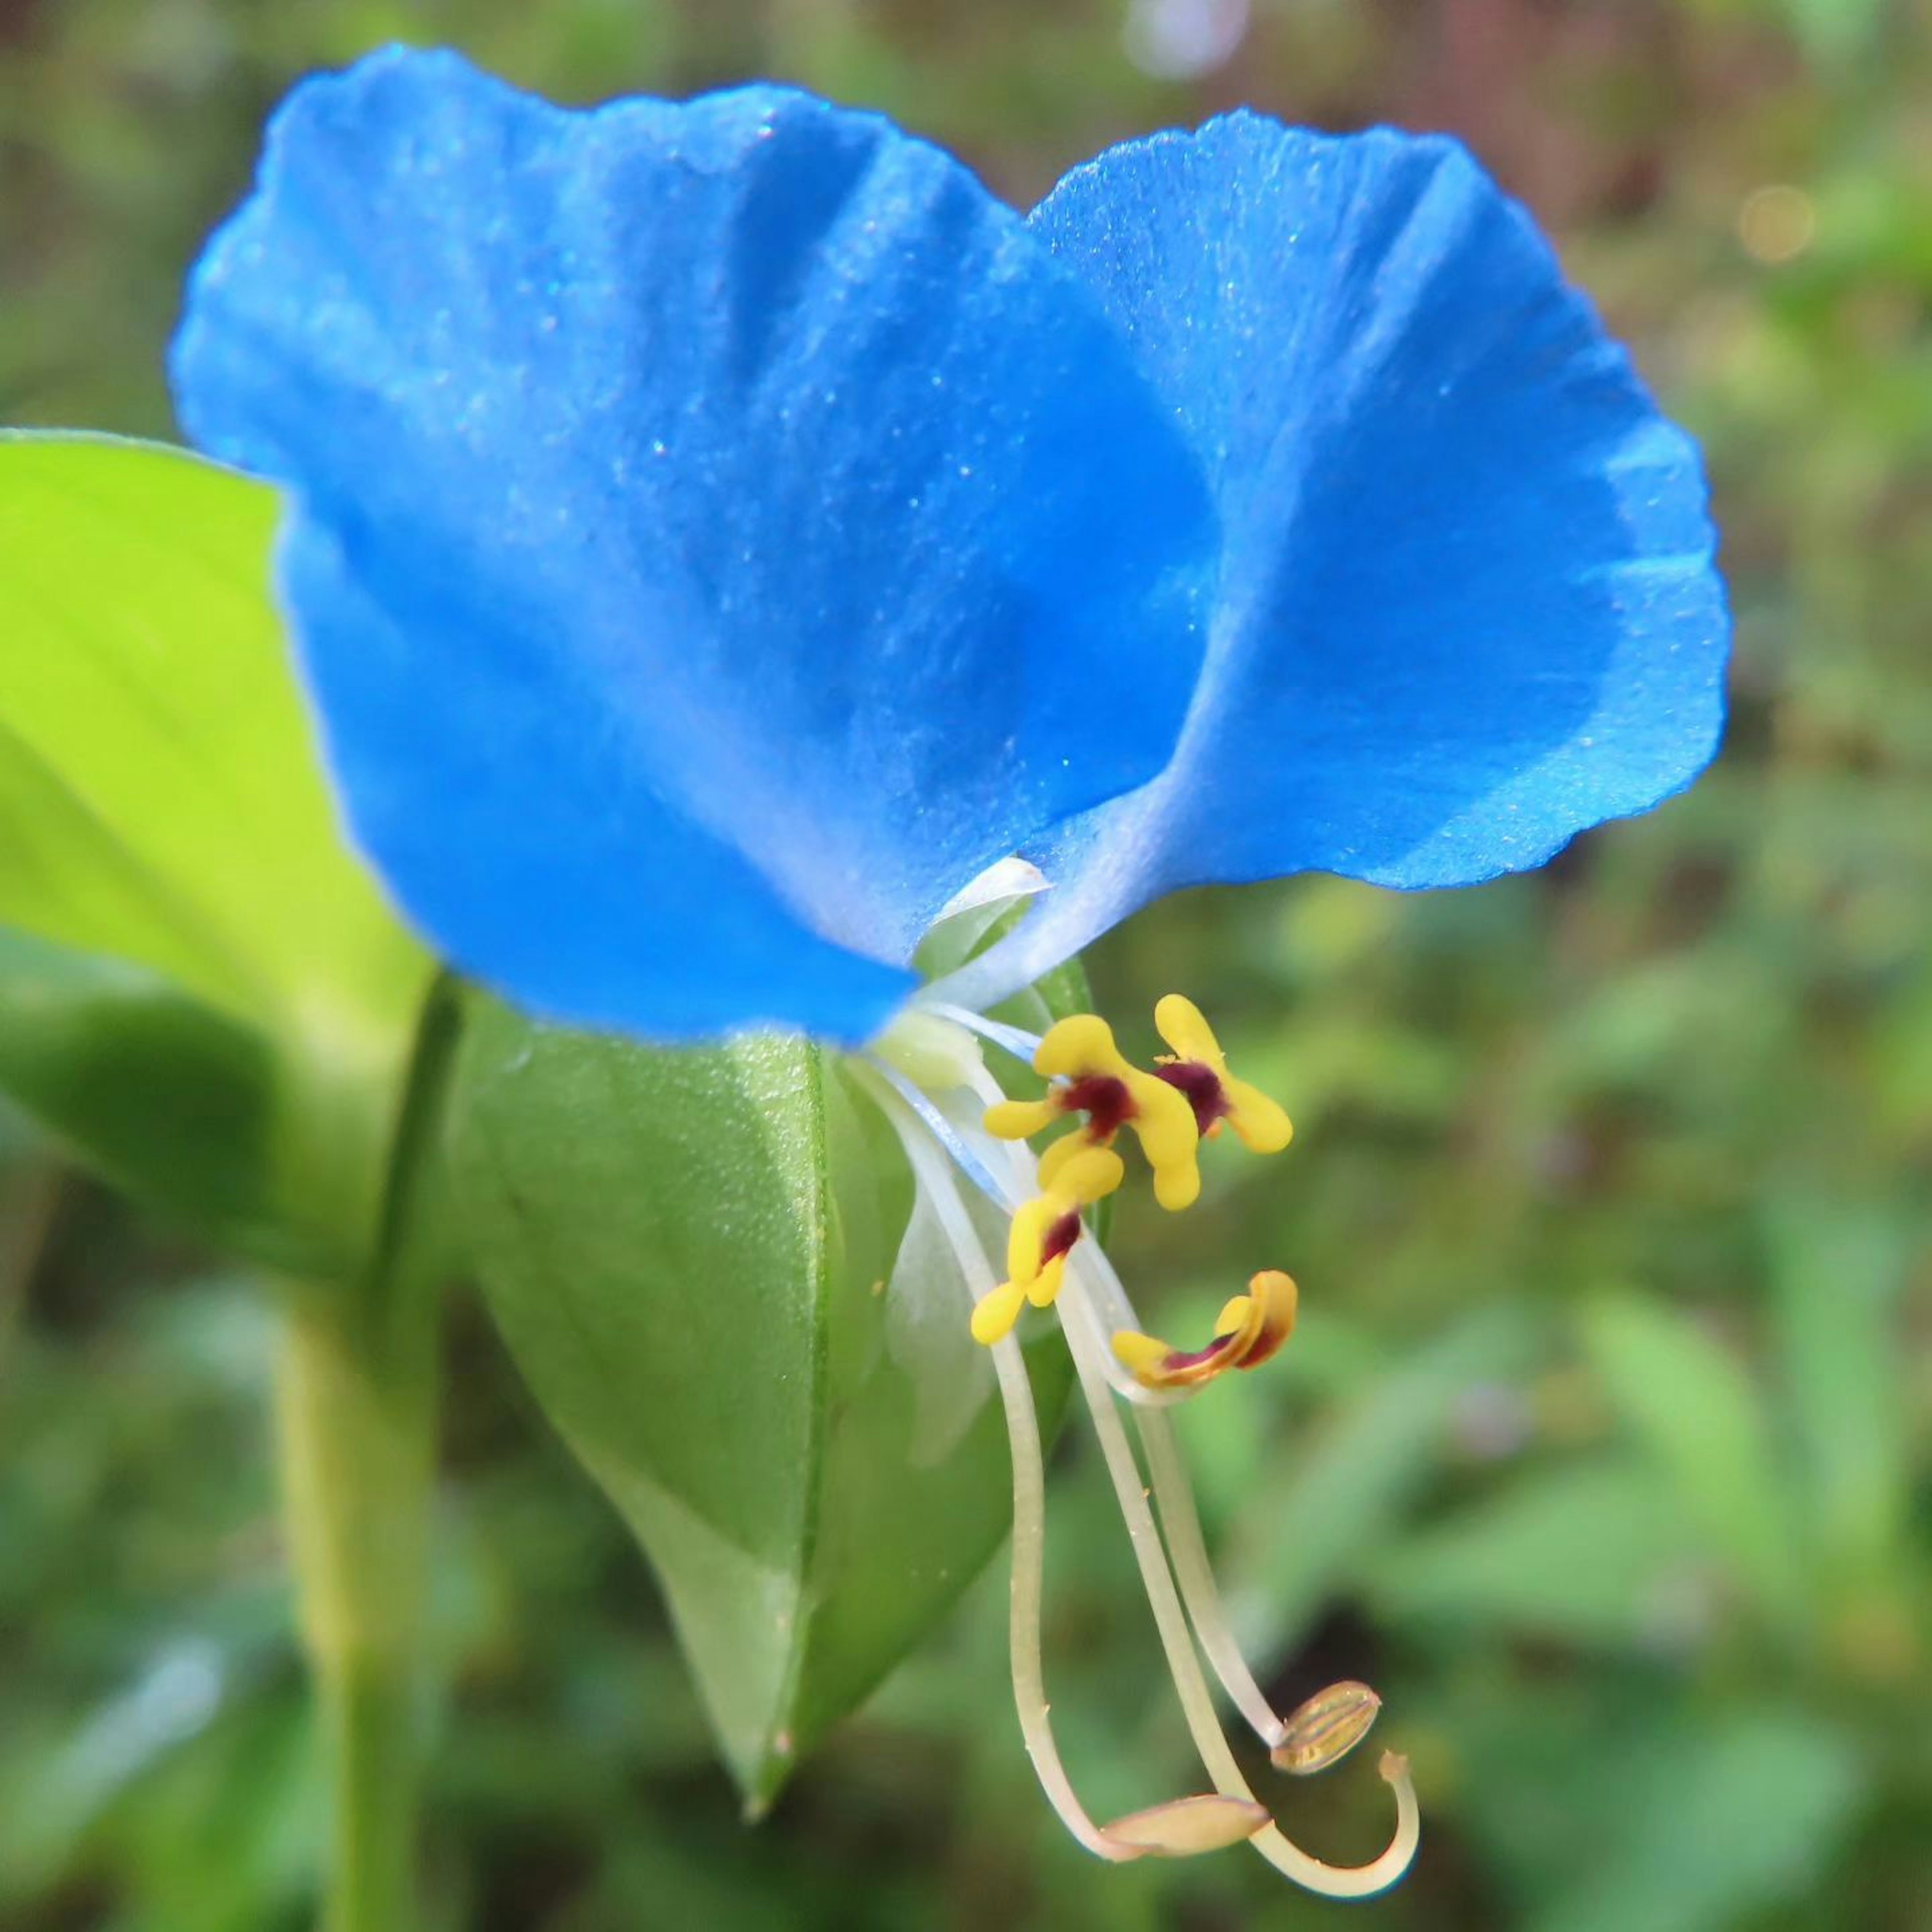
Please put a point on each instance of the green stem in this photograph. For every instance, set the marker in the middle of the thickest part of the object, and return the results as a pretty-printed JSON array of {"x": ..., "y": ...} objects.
[
  {"x": 358, "y": 1443},
  {"x": 356, "y": 1404}
]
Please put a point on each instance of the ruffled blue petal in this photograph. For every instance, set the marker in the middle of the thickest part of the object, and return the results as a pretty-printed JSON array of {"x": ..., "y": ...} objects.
[
  {"x": 1469, "y": 606},
  {"x": 718, "y": 530}
]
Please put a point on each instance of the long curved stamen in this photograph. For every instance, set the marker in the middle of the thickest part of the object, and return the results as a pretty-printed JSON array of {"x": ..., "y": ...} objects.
[
  {"x": 1026, "y": 1584},
  {"x": 1178, "y": 1829},
  {"x": 1187, "y": 1550},
  {"x": 1029, "y": 1546},
  {"x": 1186, "y": 1825},
  {"x": 1184, "y": 1665},
  {"x": 1092, "y": 1282}
]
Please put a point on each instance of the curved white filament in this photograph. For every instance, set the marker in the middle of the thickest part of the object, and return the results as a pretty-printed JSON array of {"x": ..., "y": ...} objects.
[
  {"x": 1092, "y": 1303},
  {"x": 1187, "y": 1550},
  {"x": 1029, "y": 1549},
  {"x": 1183, "y": 1665}
]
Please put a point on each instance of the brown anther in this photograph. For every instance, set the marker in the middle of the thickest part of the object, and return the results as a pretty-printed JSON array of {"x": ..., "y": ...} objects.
[
  {"x": 1326, "y": 1729},
  {"x": 1184, "y": 1827}
]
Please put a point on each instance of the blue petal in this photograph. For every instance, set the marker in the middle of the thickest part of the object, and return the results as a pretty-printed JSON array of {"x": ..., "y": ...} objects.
[
  {"x": 1468, "y": 606},
  {"x": 718, "y": 530}
]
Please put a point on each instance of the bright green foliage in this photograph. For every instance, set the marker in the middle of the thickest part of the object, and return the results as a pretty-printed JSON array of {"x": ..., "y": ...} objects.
[
  {"x": 687, "y": 1252},
  {"x": 209, "y": 997}
]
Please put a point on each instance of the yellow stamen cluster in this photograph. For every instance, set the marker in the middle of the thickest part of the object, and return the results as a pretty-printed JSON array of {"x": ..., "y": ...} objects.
[
  {"x": 1170, "y": 1111},
  {"x": 1092, "y": 1077},
  {"x": 1038, "y": 1240},
  {"x": 1247, "y": 1331}
]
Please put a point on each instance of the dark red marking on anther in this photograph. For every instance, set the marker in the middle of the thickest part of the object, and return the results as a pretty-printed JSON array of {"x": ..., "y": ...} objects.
[
  {"x": 1060, "y": 1237},
  {"x": 1105, "y": 1100},
  {"x": 1179, "y": 1359},
  {"x": 1205, "y": 1094}
]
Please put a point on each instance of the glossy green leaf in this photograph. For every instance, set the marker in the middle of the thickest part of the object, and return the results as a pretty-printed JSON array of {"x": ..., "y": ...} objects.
[
  {"x": 160, "y": 794},
  {"x": 687, "y": 1252},
  {"x": 166, "y": 831}
]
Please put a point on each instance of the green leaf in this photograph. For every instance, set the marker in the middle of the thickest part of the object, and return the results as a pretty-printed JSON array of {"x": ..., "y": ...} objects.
[
  {"x": 163, "y": 808},
  {"x": 168, "y": 1095},
  {"x": 1837, "y": 1276},
  {"x": 1721, "y": 1821},
  {"x": 686, "y": 1252},
  {"x": 1584, "y": 1552},
  {"x": 1693, "y": 1406},
  {"x": 1358, "y": 1472}
]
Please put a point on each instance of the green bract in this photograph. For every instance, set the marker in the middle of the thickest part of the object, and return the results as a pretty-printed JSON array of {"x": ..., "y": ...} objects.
[{"x": 688, "y": 1252}]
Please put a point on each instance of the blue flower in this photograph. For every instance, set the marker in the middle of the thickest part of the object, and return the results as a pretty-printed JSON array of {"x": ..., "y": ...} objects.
[
  {"x": 722, "y": 541},
  {"x": 719, "y": 530}
]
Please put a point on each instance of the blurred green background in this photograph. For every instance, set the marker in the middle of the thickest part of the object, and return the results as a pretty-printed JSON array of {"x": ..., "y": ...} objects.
[{"x": 1603, "y": 1448}]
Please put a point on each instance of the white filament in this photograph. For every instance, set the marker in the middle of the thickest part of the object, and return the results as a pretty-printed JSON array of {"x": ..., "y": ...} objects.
[
  {"x": 1029, "y": 1552},
  {"x": 1181, "y": 1524},
  {"x": 1092, "y": 1303}
]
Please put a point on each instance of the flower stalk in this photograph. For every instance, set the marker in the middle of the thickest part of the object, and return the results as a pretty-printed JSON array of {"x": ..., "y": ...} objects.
[
  {"x": 356, "y": 1419},
  {"x": 357, "y": 1403}
]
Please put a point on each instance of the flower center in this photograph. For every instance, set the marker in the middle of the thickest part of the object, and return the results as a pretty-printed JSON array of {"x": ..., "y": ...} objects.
[{"x": 955, "y": 1121}]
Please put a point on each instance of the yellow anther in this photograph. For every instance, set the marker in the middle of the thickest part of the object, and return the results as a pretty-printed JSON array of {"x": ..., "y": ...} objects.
[
  {"x": 1169, "y": 1140},
  {"x": 1040, "y": 1237},
  {"x": 1087, "y": 1177},
  {"x": 1095, "y": 1078},
  {"x": 1248, "y": 1330},
  {"x": 1260, "y": 1122},
  {"x": 1141, "y": 1355},
  {"x": 1028, "y": 1263},
  {"x": 994, "y": 1314},
  {"x": 1082, "y": 1043},
  {"x": 1054, "y": 1158},
  {"x": 1021, "y": 1120},
  {"x": 1043, "y": 1291},
  {"x": 1184, "y": 1027}
]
